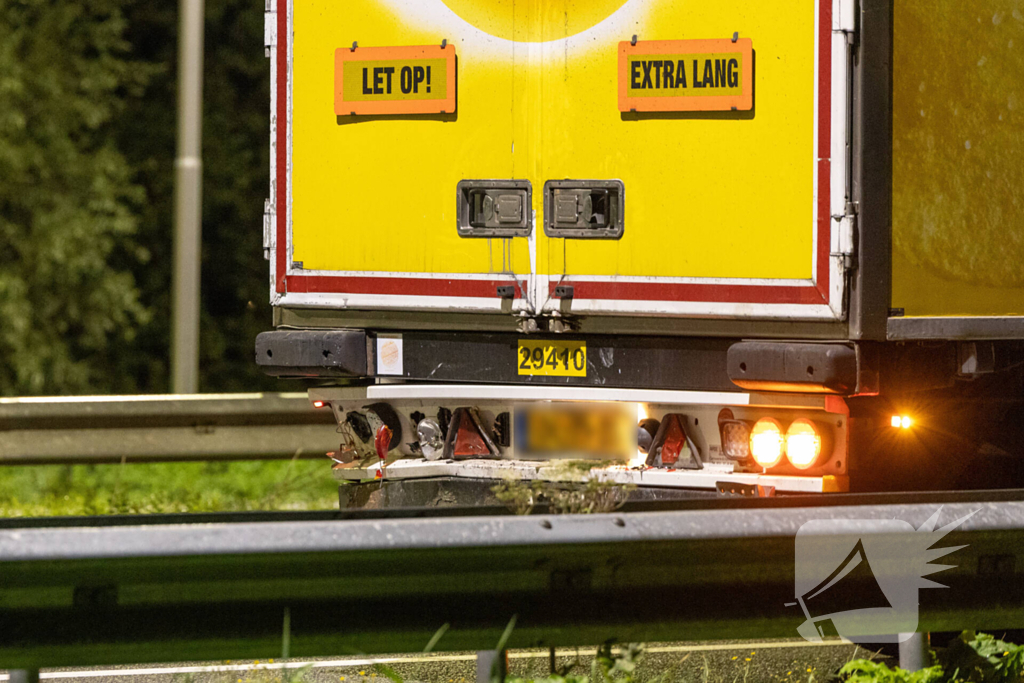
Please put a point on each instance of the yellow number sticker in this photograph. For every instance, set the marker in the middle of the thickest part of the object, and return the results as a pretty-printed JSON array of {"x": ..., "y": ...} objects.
[{"x": 552, "y": 358}]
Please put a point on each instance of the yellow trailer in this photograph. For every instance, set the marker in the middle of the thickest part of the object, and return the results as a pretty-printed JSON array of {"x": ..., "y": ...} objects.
[{"x": 783, "y": 236}]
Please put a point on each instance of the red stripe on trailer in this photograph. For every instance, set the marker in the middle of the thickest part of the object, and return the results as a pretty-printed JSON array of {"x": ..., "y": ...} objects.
[
  {"x": 824, "y": 220},
  {"x": 643, "y": 291},
  {"x": 407, "y": 286},
  {"x": 824, "y": 246},
  {"x": 824, "y": 78},
  {"x": 281, "y": 182}
]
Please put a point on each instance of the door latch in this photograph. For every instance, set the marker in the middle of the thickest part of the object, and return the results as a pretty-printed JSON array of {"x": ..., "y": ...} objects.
[
  {"x": 494, "y": 208},
  {"x": 584, "y": 208}
]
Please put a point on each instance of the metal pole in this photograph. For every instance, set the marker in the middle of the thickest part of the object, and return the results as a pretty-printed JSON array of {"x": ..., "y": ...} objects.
[
  {"x": 188, "y": 194},
  {"x": 914, "y": 652},
  {"x": 491, "y": 666}
]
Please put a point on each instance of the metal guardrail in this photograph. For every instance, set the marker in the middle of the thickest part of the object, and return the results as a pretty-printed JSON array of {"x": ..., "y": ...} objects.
[
  {"x": 110, "y": 429},
  {"x": 133, "y": 592}
]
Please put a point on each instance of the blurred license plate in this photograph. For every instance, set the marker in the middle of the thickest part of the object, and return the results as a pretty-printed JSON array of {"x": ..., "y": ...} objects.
[
  {"x": 598, "y": 431},
  {"x": 562, "y": 358}
]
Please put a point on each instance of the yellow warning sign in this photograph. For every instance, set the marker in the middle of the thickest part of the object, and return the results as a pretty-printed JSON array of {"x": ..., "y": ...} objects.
[
  {"x": 394, "y": 80},
  {"x": 686, "y": 75},
  {"x": 708, "y": 75}
]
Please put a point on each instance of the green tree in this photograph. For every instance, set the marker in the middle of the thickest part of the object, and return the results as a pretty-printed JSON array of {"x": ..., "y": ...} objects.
[
  {"x": 87, "y": 142},
  {"x": 68, "y": 203}
]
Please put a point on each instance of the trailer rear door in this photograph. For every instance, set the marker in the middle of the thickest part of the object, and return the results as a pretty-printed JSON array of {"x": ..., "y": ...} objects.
[
  {"x": 725, "y": 202},
  {"x": 366, "y": 199}
]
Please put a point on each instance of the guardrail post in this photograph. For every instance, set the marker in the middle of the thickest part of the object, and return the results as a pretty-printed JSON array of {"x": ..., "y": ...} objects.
[
  {"x": 914, "y": 652},
  {"x": 491, "y": 666},
  {"x": 23, "y": 676}
]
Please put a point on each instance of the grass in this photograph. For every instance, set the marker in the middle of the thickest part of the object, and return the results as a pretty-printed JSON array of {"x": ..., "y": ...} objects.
[
  {"x": 255, "y": 675},
  {"x": 573, "y": 497},
  {"x": 970, "y": 658},
  {"x": 55, "y": 490},
  {"x": 627, "y": 663}
]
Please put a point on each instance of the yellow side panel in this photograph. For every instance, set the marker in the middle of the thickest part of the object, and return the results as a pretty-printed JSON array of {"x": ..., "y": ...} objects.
[
  {"x": 958, "y": 117},
  {"x": 723, "y": 194}
]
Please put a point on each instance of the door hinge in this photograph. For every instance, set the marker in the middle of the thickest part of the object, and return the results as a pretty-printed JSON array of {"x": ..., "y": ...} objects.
[
  {"x": 845, "y": 20},
  {"x": 843, "y": 237},
  {"x": 268, "y": 228},
  {"x": 269, "y": 30}
]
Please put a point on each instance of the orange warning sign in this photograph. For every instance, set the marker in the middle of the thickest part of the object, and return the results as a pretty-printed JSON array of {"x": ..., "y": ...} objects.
[
  {"x": 394, "y": 80},
  {"x": 686, "y": 75}
]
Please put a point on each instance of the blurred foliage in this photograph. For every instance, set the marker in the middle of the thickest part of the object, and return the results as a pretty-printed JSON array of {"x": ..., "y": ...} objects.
[
  {"x": 37, "y": 491},
  {"x": 87, "y": 143},
  {"x": 69, "y": 203}
]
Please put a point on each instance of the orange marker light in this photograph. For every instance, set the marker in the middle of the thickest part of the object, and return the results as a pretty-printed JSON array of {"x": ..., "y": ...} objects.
[
  {"x": 318, "y": 404},
  {"x": 766, "y": 442},
  {"x": 803, "y": 444},
  {"x": 901, "y": 421}
]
